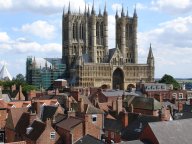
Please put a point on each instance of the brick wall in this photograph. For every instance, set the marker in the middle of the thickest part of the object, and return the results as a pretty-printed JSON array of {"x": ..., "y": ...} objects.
[
  {"x": 9, "y": 135},
  {"x": 3, "y": 114},
  {"x": 45, "y": 136},
  {"x": 148, "y": 134},
  {"x": 93, "y": 128}
]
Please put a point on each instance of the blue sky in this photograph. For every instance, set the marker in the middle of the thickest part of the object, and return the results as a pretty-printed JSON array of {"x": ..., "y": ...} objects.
[{"x": 33, "y": 28}]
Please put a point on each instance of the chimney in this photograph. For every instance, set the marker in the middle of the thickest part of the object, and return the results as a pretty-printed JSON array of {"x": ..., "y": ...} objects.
[
  {"x": 71, "y": 112},
  {"x": 81, "y": 105},
  {"x": 119, "y": 105},
  {"x": 32, "y": 117},
  {"x": 113, "y": 105},
  {"x": 75, "y": 95},
  {"x": 180, "y": 106},
  {"x": 125, "y": 119},
  {"x": 96, "y": 100},
  {"x": 131, "y": 108}
]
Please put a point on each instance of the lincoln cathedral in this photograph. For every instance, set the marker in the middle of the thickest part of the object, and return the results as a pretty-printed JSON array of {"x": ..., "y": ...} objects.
[{"x": 89, "y": 60}]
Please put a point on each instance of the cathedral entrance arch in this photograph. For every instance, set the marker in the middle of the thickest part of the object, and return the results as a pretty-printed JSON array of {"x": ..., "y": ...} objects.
[{"x": 118, "y": 79}]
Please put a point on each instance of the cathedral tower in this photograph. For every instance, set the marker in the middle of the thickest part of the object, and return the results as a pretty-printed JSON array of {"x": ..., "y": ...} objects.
[{"x": 126, "y": 36}]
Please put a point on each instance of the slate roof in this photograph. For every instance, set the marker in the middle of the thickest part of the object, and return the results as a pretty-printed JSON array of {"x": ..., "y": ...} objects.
[
  {"x": 116, "y": 93},
  {"x": 143, "y": 103},
  {"x": 88, "y": 139},
  {"x": 14, "y": 116},
  {"x": 69, "y": 123},
  {"x": 172, "y": 132},
  {"x": 113, "y": 124},
  {"x": 48, "y": 112},
  {"x": 92, "y": 110},
  {"x": 136, "y": 125},
  {"x": 37, "y": 129},
  {"x": 111, "y": 53}
]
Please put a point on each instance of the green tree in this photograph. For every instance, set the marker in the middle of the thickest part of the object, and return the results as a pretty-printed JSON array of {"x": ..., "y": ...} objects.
[
  {"x": 168, "y": 79},
  {"x": 27, "y": 88}
]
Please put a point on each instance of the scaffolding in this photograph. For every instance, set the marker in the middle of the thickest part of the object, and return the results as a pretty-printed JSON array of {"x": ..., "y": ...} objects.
[{"x": 43, "y": 75}]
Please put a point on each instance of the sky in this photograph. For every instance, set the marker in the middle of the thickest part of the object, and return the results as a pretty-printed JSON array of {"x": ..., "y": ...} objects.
[{"x": 33, "y": 28}]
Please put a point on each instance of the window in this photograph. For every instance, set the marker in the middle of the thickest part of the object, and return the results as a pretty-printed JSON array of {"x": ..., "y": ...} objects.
[
  {"x": 174, "y": 95},
  {"x": 180, "y": 95},
  {"x": 52, "y": 135},
  {"x": 94, "y": 118}
]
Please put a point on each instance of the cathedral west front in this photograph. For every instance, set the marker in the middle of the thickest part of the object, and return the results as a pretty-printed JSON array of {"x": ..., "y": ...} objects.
[{"x": 90, "y": 62}]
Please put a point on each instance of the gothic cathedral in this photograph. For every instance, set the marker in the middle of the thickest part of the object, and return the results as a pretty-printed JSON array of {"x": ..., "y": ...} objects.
[{"x": 89, "y": 61}]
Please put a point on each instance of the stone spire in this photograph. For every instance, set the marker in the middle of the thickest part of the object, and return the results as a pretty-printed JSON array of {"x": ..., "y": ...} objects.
[
  {"x": 150, "y": 55},
  {"x": 85, "y": 11},
  {"x": 105, "y": 9},
  {"x": 122, "y": 12},
  {"x": 63, "y": 11},
  {"x": 99, "y": 11},
  {"x": 69, "y": 8},
  {"x": 93, "y": 9},
  {"x": 88, "y": 12},
  {"x": 135, "y": 12},
  {"x": 116, "y": 16},
  {"x": 150, "y": 58},
  {"x": 127, "y": 12}
]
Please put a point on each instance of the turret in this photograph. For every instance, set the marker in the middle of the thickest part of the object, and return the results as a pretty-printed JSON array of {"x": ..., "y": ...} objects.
[
  {"x": 150, "y": 58},
  {"x": 151, "y": 63},
  {"x": 122, "y": 12},
  {"x": 105, "y": 30},
  {"x": 135, "y": 19},
  {"x": 93, "y": 9},
  {"x": 135, "y": 13},
  {"x": 93, "y": 35},
  {"x": 123, "y": 37},
  {"x": 69, "y": 8},
  {"x": 116, "y": 16},
  {"x": 127, "y": 12},
  {"x": 105, "y": 10}
]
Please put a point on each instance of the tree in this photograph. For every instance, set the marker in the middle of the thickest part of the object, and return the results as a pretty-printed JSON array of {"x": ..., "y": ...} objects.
[
  {"x": 20, "y": 77},
  {"x": 27, "y": 88},
  {"x": 168, "y": 79}
]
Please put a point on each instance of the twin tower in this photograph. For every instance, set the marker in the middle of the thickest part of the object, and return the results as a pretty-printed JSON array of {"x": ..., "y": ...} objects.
[
  {"x": 89, "y": 61},
  {"x": 87, "y": 33}
]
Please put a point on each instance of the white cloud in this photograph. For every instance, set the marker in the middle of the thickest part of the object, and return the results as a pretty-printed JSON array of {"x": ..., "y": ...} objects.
[
  {"x": 172, "y": 6},
  {"x": 39, "y": 28},
  {"x": 5, "y": 4},
  {"x": 172, "y": 45},
  {"x": 4, "y": 37},
  {"x": 40, "y": 6},
  {"x": 141, "y": 6},
  {"x": 116, "y": 6}
]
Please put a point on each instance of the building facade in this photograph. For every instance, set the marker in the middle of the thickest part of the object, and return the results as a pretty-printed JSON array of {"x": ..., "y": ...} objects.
[{"x": 88, "y": 60}]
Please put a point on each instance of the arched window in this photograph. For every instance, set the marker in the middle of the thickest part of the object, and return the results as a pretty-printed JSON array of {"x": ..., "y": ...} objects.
[
  {"x": 74, "y": 30},
  {"x": 101, "y": 29}
]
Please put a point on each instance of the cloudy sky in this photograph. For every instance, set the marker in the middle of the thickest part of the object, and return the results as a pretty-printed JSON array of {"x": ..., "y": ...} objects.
[{"x": 33, "y": 28}]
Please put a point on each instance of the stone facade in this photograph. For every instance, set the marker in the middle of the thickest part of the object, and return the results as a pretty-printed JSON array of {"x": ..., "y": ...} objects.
[{"x": 89, "y": 61}]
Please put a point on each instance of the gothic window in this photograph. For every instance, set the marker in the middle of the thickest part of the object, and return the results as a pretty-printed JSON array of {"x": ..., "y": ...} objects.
[
  {"x": 81, "y": 31},
  {"x": 127, "y": 34},
  {"x": 101, "y": 29},
  {"x": 76, "y": 31},
  {"x": 74, "y": 26}
]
